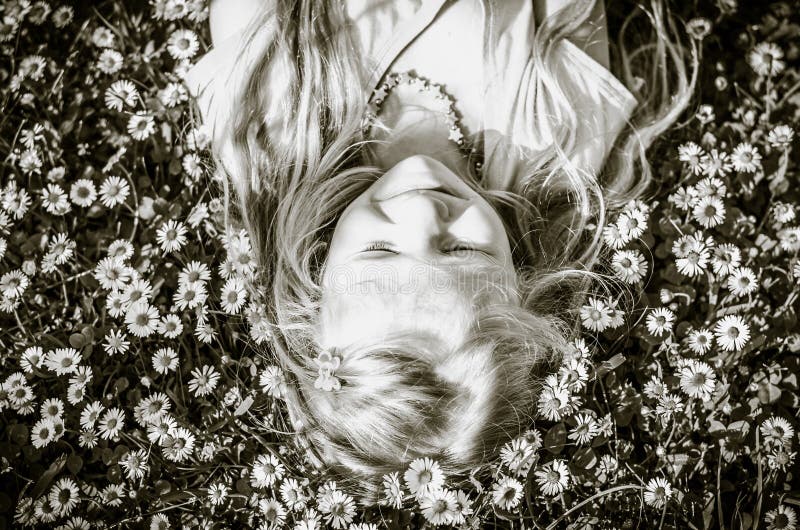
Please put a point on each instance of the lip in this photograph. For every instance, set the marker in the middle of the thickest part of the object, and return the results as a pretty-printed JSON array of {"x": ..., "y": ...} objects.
[{"x": 439, "y": 188}]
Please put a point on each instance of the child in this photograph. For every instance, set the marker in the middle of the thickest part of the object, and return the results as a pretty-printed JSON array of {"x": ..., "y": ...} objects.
[{"x": 425, "y": 185}]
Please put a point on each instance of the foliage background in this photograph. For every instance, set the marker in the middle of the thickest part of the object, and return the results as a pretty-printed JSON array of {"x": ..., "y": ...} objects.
[{"x": 652, "y": 429}]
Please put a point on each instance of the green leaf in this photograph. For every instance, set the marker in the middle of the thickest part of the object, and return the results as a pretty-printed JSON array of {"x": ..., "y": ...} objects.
[
  {"x": 555, "y": 438},
  {"x": 47, "y": 477}
]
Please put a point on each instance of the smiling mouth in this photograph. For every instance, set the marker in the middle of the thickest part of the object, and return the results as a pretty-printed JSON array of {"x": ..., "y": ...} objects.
[{"x": 441, "y": 189}]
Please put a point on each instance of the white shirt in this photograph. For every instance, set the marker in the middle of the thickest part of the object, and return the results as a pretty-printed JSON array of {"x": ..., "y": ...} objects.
[{"x": 442, "y": 41}]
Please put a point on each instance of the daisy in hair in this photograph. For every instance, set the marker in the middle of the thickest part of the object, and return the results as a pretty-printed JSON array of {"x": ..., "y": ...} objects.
[
  {"x": 178, "y": 445},
  {"x": 659, "y": 321},
  {"x": 657, "y": 492},
  {"x": 273, "y": 512},
  {"x": 726, "y": 258},
  {"x": 697, "y": 379},
  {"x": 742, "y": 281},
  {"x": 596, "y": 315},
  {"x": 553, "y": 477},
  {"x": 439, "y": 506},
  {"x": 204, "y": 380},
  {"x": 781, "y": 518},
  {"x": 273, "y": 381},
  {"x": 629, "y": 266},
  {"x": 64, "y": 496},
  {"x": 746, "y": 158},
  {"x": 338, "y": 508},
  {"x": 614, "y": 238},
  {"x": 732, "y": 332},
  {"x": 777, "y": 431},
  {"x": 392, "y": 490},
  {"x": 506, "y": 493},
  {"x": 111, "y": 423},
  {"x": 266, "y": 471},
  {"x": 518, "y": 456},
  {"x": 700, "y": 340},
  {"x": 423, "y": 476}
]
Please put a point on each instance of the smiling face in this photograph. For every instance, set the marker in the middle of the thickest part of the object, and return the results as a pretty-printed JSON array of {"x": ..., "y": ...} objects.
[{"x": 411, "y": 253}]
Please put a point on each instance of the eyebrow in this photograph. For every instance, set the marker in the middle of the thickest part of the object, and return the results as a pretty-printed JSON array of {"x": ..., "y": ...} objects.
[{"x": 368, "y": 255}]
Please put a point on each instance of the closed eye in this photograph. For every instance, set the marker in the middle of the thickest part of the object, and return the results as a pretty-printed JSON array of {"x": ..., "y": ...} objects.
[{"x": 384, "y": 246}]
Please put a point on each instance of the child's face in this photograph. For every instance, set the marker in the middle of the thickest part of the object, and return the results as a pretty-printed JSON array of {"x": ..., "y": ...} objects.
[{"x": 408, "y": 253}]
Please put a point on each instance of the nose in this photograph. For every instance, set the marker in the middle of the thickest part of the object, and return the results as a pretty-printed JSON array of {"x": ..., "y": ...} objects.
[{"x": 423, "y": 206}]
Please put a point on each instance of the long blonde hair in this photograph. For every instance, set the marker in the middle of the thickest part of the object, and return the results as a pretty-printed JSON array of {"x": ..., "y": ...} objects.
[{"x": 291, "y": 174}]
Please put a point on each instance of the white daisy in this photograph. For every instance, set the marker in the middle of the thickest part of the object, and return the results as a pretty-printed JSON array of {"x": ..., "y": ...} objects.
[
  {"x": 52, "y": 408},
  {"x": 553, "y": 478},
  {"x": 781, "y": 518},
  {"x": 273, "y": 381},
  {"x": 141, "y": 318},
  {"x": 112, "y": 273},
  {"x": 111, "y": 423},
  {"x": 439, "y": 506},
  {"x": 780, "y": 136},
  {"x": 183, "y": 44},
  {"x": 62, "y": 360},
  {"x": 746, "y": 158},
  {"x": 585, "y": 429},
  {"x": 32, "y": 357},
  {"x": 697, "y": 379},
  {"x": 189, "y": 295},
  {"x": 55, "y": 200},
  {"x": 766, "y": 59},
  {"x": 204, "y": 380},
  {"x": 693, "y": 256},
  {"x": 660, "y": 320},
  {"x": 164, "y": 360},
  {"x": 170, "y": 326},
  {"x": 507, "y": 492},
  {"x": 64, "y": 496},
  {"x": 103, "y": 37},
  {"x": 700, "y": 340},
  {"x": 742, "y": 281},
  {"x": 631, "y": 224},
  {"x": 121, "y": 93},
  {"x": 423, "y": 476},
  {"x": 668, "y": 405},
  {"x": 657, "y": 492},
  {"x": 725, "y": 259},
  {"x": 629, "y": 265},
  {"x": 783, "y": 212},
  {"x": 790, "y": 238},
  {"x": 172, "y": 95},
  {"x": 13, "y": 283},
  {"x": 120, "y": 249},
  {"x": 715, "y": 163},
  {"x": 141, "y": 125},
  {"x": 732, "y": 332},
  {"x": 110, "y": 61},
  {"x": 114, "y": 190},
  {"x": 266, "y": 471},
  {"x": 42, "y": 433},
  {"x": 777, "y": 431},
  {"x": 90, "y": 414},
  {"x": 709, "y": 211},
  {"x": 171, "y": 236},
  {"x": 233, "y": 296},
  {"x": 596, "y": 315},
  {"x": 338, "y": 507},
  {"x": 273, "y": 512},
  {"x": 135, "y": 464}
]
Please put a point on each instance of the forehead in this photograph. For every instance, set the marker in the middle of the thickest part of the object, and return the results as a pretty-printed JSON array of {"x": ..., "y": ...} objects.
[{"x": 376, "y": 307}]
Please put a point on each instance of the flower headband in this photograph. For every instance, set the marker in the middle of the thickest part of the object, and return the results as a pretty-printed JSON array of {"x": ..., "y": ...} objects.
[{"x": 328, "y": 363}]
